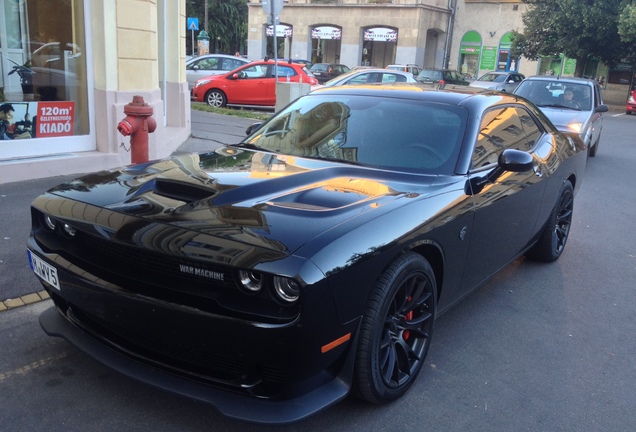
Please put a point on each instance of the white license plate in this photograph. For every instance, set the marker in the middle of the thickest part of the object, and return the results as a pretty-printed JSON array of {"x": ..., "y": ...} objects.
[{"x": 46, "y": 272}]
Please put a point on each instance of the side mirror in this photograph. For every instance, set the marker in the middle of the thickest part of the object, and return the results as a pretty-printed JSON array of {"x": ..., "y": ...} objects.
[
  {"x": 253, "y": 128},
  {"x": 515, "y": 161},
  {"x": 509, "y": 160},
  {"x": 235, "y": 76},
  {"x": 195, "y": 67},
  {"x": 601, "y": 109}
]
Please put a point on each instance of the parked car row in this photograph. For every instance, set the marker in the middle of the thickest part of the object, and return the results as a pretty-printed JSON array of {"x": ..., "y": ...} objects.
[{"x": 571, "y": 104}]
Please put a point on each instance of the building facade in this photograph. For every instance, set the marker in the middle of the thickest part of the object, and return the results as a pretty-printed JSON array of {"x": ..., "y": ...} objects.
[
  {"x": 353, "y": 32},
  {"x": 471, "y": 36},
  {"x": 68, "y": 68}
]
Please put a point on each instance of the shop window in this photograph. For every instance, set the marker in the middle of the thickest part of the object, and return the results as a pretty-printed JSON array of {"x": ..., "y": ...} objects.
[{"x": 43, "y": 76}]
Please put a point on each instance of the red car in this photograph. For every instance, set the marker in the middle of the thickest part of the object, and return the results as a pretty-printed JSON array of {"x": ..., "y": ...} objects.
[
  {"x": 630, "y": 107},
  {"x": 249, "y": 85}
]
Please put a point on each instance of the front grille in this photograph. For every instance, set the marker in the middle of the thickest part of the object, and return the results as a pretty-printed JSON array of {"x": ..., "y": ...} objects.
[
  {"x": 197, "y": 363},
  {"x": 150, "y": 264}
]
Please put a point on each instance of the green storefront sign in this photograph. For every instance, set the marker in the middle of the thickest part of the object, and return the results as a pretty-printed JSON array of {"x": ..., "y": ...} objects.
[{"x": 488, "y": 58}]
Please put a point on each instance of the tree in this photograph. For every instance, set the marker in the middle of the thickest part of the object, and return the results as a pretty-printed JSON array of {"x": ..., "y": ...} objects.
[
  {"x": 627, "y": 23},
  {"x": 227, "y": 23},
  {"x": 578, "y": 29}
]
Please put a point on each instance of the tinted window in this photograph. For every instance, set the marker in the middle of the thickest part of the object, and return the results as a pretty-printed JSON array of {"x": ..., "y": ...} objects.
[
  {"x": 502, "y": 128},
  {"x": 430, "y": 75},
  {"x": 382, "y": 132}
]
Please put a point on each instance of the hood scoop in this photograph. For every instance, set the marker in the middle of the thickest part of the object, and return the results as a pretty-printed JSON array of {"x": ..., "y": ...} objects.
[{"x": 175, "y": 190}]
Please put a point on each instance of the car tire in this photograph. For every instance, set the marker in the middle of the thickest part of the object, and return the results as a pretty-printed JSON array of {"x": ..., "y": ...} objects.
[
  {"x": 594, "y": 148},
  {"x": 215, "y": 98},
  {"x": 396, "y": 330},
  {"x": 555, "y": 234},
  {"x": 628, "y": 112}
]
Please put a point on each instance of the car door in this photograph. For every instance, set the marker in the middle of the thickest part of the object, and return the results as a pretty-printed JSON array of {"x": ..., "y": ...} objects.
[
  {"x": 507, "y": 205},
  {"x": 597, "y": 117},
  {"x": 201, "y": 68},
  {"x": 253, "y": 86},
  {"x": 512, "y": 81}
]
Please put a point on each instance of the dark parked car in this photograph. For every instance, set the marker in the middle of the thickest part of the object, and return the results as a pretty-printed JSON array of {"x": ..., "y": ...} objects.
[
  {"x": 442, "y": 76},
  {"x": 499, "y": 80},
  {"x": 572, "y": 104},
  {"x": 271, "y": 276},
  {"x": 326, "y": 71}
]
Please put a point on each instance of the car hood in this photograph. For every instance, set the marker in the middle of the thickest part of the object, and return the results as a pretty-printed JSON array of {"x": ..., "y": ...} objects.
[
  {"x": 485, "y": 84},
  {"x": 562, "y": 117},
  {"x": 261, "y": 199}
]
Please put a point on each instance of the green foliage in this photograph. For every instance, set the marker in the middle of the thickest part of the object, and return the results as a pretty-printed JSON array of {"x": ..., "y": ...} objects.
[
  {"x": 227, "y": 23},
  {"x": 235, "y": 112},
  {"x": 579, "y": 29},
  {"x": 627, "y": 23}
]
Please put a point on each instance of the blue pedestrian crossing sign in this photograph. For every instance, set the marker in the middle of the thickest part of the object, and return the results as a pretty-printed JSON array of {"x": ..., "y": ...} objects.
[{"x": 193, "y": 23}]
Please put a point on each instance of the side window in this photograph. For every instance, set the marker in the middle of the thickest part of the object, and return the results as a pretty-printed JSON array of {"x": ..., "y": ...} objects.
[
  {"x": 285, "y": 71},
  {"x": 503, "y": 128},
  {"x": 258, "y": 71}
]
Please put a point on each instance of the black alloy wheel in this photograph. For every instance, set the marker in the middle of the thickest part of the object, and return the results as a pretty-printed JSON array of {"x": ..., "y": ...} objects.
[
  {"x": 552, "y": 242},
  {"x": 396, "y": 330}
]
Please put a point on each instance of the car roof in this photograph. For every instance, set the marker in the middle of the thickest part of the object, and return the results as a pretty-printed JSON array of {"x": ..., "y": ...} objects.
[
  {"x": 204, "y": 56},
  {"x": 450, "y": 94},
  {"x": 552, "y": 78}
]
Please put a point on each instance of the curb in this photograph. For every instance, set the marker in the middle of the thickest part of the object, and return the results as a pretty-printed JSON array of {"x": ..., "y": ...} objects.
[{"x": 25, "y": 300}]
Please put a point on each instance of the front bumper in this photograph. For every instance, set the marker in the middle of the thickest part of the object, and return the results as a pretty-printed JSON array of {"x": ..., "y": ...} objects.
[
  {"x": 630, "y": 108},
  {"x": 232, "y": 405},
  {"x": 258, "y": 372}
]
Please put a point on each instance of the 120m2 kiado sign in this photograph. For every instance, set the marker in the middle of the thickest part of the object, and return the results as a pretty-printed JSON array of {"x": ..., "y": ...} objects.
[
  {"x": 39, "y": 120},
  {"x": 55, "y": 119}
]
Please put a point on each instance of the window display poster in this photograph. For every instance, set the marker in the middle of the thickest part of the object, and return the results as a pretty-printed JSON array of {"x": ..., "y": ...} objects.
[
  {"x": 488, "y": 57},
  {"x": 39, "y": 119}
]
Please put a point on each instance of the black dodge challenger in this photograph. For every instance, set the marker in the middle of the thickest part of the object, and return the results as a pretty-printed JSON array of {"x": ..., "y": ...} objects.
[{"x": 273, "y": 277}]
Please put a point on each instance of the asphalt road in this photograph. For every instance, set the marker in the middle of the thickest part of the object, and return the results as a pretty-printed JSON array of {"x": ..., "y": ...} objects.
[{"x": 537, "y": 348}]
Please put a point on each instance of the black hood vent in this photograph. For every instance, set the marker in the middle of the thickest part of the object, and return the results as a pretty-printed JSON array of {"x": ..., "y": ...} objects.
[{"x": 181, "y": 191}]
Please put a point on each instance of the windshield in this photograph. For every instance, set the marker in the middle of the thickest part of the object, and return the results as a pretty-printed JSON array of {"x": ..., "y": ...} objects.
[
  {"x": 493, "y": 78},
  {"x": 556, "y": 93},
  {"x": 385, "y": 132},
  {"x": 429, "y": 75}
]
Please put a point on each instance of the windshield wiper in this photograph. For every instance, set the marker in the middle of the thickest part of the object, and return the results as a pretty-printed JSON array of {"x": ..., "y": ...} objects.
[
  {"x": 333, "y": 159},
  {"x": 558, "y": 106}
]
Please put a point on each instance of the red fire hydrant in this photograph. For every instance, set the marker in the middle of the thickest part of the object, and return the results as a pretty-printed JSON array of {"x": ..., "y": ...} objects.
[{"x": 138, "y": 124}]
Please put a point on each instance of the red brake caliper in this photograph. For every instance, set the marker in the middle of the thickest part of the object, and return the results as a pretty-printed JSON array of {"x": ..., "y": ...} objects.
[{"x": 407, "y": 317}]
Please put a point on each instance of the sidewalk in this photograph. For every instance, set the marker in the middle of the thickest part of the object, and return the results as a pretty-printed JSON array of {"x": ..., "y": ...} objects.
[{"x": 18, "y": 285}]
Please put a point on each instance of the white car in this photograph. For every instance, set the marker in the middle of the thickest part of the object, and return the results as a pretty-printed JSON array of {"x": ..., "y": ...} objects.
[
  {"x": 371, "y": 76},
  {"x": 211, "y": 64},
  {"x": 499, "y": 80}
]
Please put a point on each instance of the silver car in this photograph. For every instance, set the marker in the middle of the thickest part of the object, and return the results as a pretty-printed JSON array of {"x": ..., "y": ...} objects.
[
  {"x": 211, "y": 64},
  {"x": 571, "y": 104},
  {"x": 371, "y": 76},
  {"x": 499, "y": 80}
]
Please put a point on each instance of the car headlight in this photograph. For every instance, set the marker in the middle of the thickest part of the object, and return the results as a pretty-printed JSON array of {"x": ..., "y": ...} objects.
[
  {"x": 251, "y": 281},
  {"x": 200, "y": 83},
  {"x": 576, "y": 127},
  {"x": 49, "y": 222},
  {"x": 68, "y": 230},
  {"x": 287, "y": 289},
  {"x": 631, "y": 100}
]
